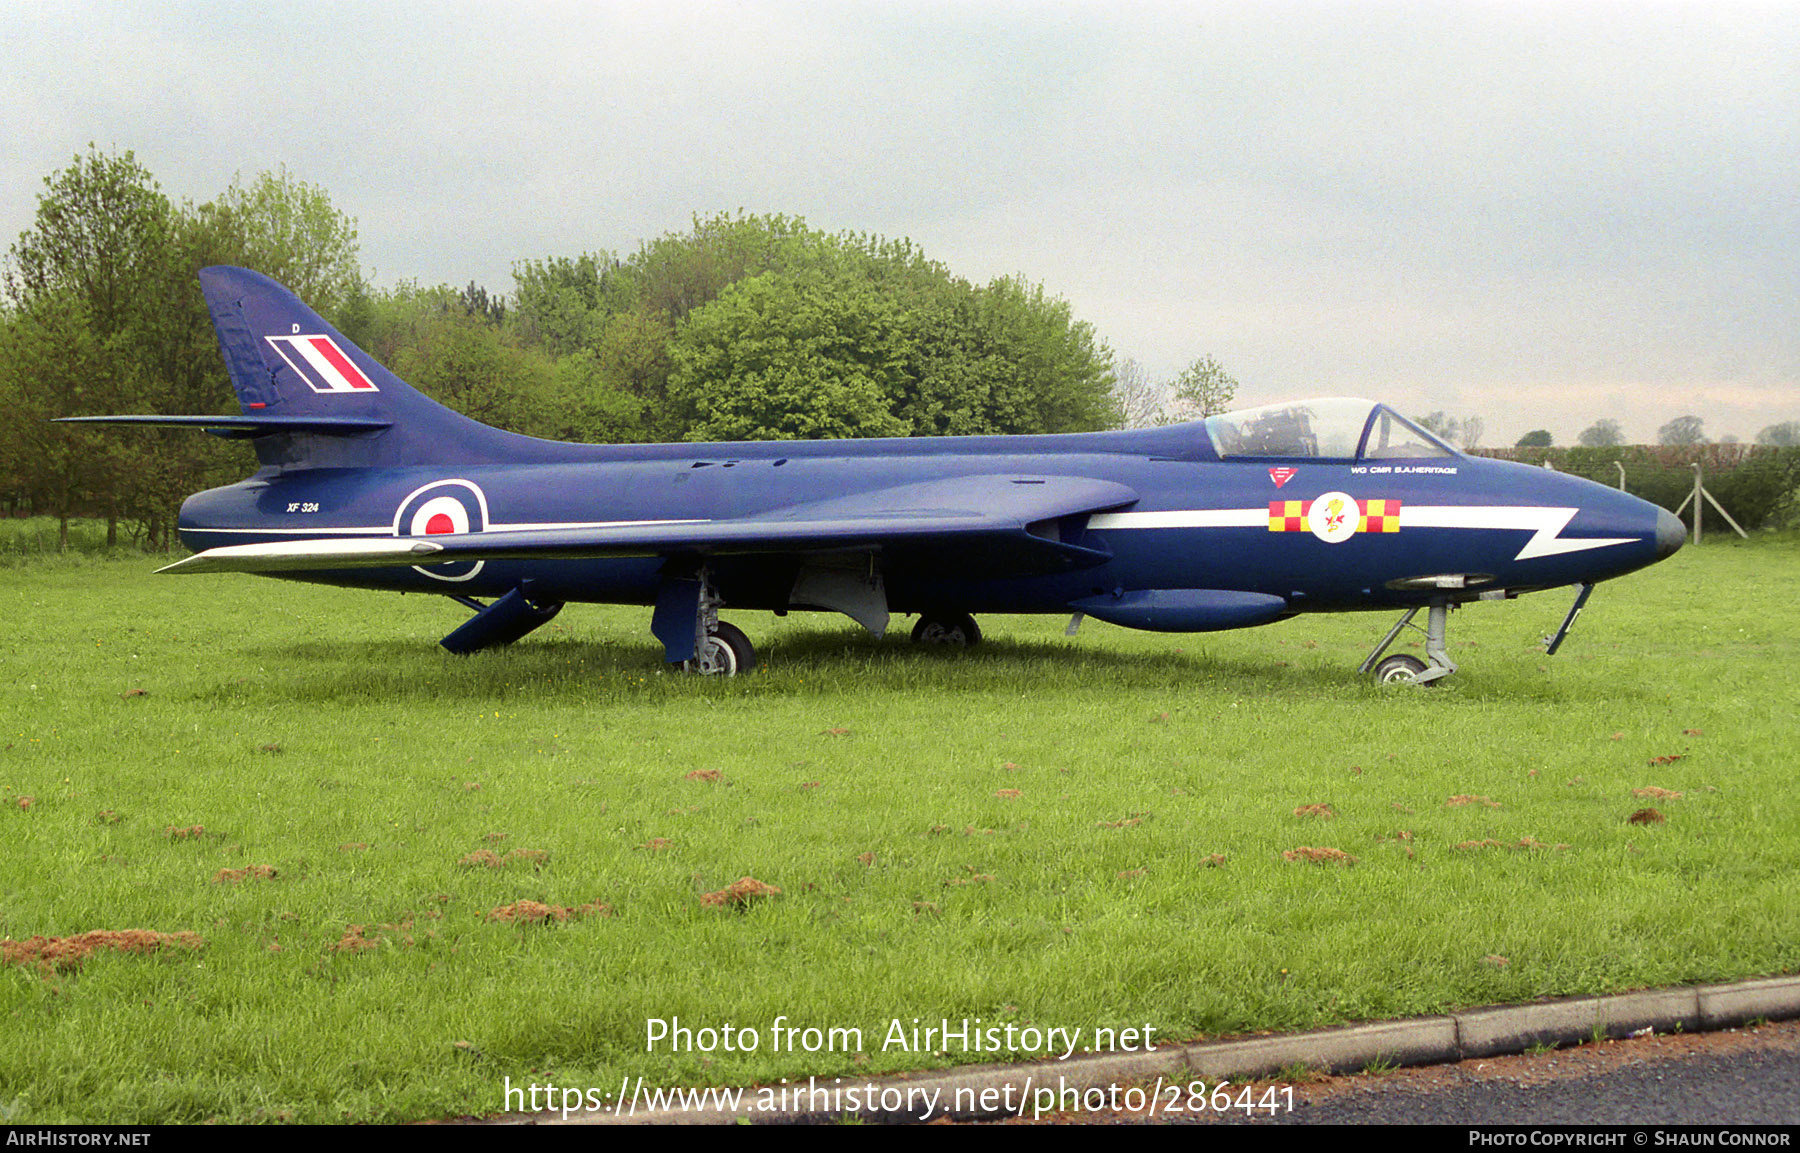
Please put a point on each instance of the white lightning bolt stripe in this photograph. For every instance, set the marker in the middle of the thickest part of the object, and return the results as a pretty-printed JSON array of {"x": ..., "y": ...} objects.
[{"x": 1545, "y": 524}]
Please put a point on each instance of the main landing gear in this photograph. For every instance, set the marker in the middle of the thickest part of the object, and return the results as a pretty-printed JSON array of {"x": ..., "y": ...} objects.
[
  {"x": 949, "y": 629},
  {"x": 726, "y": 652},
  {"x": 1403, "y": 668},
  {"x": 694, "y": 639}
]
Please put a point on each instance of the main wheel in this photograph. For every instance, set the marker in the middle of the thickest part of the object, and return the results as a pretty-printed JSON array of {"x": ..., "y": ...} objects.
[
  {"x": 726, "y": 653},
  {"x": 1399, "y": 669},
  {"x": 741, "y": 649},
  {"x": 954, "y": 629}
]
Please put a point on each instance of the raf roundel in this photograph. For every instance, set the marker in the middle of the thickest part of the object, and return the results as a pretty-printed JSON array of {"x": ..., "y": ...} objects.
[
  {"x": 440, "y": 514},
  {"x": 440, "y": 508}
]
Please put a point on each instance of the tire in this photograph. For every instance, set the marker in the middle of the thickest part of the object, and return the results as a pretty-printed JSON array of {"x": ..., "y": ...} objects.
[
  {"x": 726, "y": 653},
  {"x": 952, "y": 630},
  {"x": 1399, "y": 669},
  {"x": 741, "y": 649}
]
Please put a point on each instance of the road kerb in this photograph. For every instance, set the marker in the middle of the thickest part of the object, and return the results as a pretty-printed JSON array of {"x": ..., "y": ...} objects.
[{"x": 1484, "y": 1032}]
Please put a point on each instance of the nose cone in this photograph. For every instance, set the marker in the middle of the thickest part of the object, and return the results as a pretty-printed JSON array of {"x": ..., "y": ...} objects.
[{"x": 1671, "y": 534}]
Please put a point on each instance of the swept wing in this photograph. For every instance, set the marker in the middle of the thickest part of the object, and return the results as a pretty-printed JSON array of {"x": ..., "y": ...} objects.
[{"x": 1013, "y": 523}]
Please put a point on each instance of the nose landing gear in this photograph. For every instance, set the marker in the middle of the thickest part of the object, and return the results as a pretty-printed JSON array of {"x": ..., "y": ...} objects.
[{"x": 1402, "y": 668}]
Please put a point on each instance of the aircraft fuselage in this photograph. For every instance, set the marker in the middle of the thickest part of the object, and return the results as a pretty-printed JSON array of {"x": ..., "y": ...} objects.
[{"x": 1199, "y": 523}]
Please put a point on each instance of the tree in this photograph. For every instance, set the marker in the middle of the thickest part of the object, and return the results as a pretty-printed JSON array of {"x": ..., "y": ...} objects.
[
  {"x": 592, "y": 408},
  {"x": 1004, "y": 358},
  {"x": 631, "y": 355},
  {"x": 775, "y": 358},
  {"x": 103, "y": 231},
  {"x": 562, "y": 304},
  {"x": 1440, "y": 424},
  {"x": 106, "y": 279},
  {"x": 1204, "y": 388},
  {"x": 1536, "y": 438},
  {"x": 1473, "y": 429},
  {"x": 1783, "y": 435},
  {"x": 1683, "y": 430},
  {"x": 432, "y": 339},
  {"x": 287, "y": 230},
  {"x": 53, "y": 364},
  {"x": 477, "y": 302},
  {"x": 1604, "y": 433},
  {"x": 90, "y": 289},
  {"x": 1138, "y": 398},
  {"x": 678, "y": 273}
]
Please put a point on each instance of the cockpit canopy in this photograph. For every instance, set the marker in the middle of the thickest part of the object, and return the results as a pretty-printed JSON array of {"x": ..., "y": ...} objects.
[{"x": 1340, "y": 428}]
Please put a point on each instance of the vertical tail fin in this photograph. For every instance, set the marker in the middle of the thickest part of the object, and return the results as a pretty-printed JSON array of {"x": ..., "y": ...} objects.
[{"x": 288, "y": 364}]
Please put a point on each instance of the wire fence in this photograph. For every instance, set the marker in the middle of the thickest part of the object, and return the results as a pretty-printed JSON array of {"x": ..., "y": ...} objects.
[{"x": 1758, "y": 485}]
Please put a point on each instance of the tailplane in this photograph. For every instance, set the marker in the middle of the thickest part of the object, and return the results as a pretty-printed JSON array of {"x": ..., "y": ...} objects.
[{"x": 311, "y": 399}]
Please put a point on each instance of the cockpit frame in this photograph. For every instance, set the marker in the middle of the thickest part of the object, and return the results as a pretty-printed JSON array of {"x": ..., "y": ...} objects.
[{"x": 1329, "y": 428}]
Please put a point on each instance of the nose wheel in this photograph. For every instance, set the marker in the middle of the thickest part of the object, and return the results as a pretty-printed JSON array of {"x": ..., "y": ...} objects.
[
  {"x": 1399, "y": 669},
  {"x": 1402, "y": 668}
]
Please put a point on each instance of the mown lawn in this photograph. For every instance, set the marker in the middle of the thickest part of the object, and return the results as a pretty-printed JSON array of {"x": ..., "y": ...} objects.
[{"x": 1048, "y": 831}]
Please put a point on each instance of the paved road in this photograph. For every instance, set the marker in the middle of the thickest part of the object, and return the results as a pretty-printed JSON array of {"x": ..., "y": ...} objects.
[
  {"x": 1668, "y": 1072},
  {"x": 1739, "y": 1077}
]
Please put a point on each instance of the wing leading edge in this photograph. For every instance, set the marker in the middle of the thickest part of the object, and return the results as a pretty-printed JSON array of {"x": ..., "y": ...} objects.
[{"x": 1013, "y": 523}]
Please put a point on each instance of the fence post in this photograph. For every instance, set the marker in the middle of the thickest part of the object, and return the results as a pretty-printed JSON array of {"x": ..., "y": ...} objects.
[{"x": 1696, "y": 498}]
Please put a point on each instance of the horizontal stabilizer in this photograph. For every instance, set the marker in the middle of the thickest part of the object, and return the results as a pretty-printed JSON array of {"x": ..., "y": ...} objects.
[{"x": 244, "y": 427}]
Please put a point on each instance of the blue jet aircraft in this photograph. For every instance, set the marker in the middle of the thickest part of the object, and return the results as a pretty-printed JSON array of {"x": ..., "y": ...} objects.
[{"x": 1241, "y": 519}]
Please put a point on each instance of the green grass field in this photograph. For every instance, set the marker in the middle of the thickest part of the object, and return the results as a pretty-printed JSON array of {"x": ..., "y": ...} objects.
[{"x": 1073, "y": 833}]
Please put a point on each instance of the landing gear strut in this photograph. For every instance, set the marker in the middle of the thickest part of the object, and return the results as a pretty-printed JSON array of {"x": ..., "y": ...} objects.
[
  {"x": 1402, "y": 668},
  {"x": 687, "y": 622}
]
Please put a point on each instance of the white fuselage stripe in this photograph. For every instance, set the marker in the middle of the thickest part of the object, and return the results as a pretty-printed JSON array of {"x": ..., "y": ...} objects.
[
  {"x": 1183, "y": 518},
  {"x": 1545, "y": 524},
  {"x": 546, "y": 526}
]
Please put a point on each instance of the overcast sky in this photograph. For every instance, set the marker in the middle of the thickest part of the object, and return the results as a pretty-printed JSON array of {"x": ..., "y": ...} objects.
[{"x": 1541, "y": 214}]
